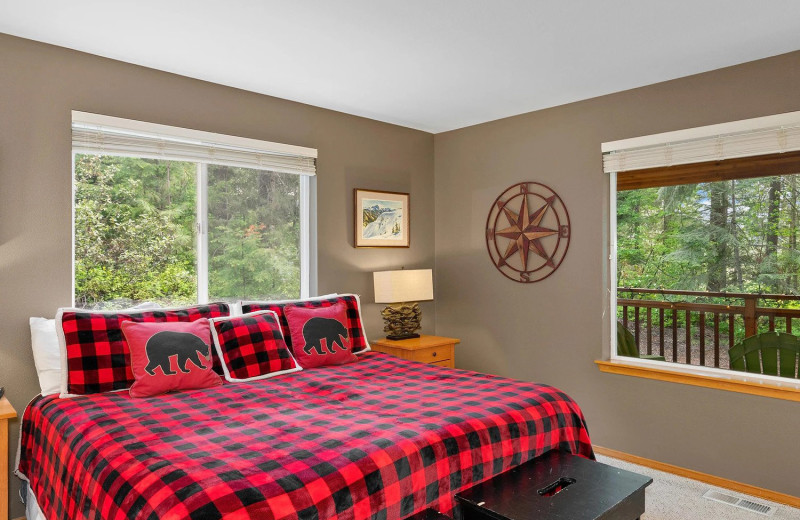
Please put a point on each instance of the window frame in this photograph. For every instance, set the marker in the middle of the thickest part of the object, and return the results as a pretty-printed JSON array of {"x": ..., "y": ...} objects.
[
  {"x": 720, "y": 378},
  {"x": 307, "y": 196}
]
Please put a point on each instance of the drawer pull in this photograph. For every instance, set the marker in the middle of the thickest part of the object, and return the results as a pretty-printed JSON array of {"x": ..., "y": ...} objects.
[{"x": 434, "y": 353}]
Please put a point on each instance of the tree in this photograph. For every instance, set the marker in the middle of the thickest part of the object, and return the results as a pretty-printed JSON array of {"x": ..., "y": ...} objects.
[
  {"x": 770, "y": 263},
  {"x": 737, "y": 257},
  {"x": 254, "y": 234},
  {"x": 715, "y": 236},
  {"x": 130, "y": 247},
  {"x": 718, "y": 227},
  {"x": 793, "y": 259}
]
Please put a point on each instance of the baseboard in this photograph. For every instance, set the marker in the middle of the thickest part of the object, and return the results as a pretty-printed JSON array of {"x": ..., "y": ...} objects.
[{"x": 747, "y": 489}]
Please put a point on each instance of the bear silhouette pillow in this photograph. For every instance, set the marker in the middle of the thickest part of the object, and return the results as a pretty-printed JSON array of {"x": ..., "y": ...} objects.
[
  {"x": 167, "y": 357},
  {"x": 320, "y": 335}
]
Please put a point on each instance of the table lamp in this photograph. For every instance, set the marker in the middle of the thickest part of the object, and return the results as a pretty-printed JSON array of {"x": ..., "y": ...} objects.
[{"x": 402, "y": 290}]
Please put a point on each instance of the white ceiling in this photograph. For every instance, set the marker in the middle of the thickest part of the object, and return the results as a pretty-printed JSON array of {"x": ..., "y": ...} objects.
[{"x": 434, "y": 65}]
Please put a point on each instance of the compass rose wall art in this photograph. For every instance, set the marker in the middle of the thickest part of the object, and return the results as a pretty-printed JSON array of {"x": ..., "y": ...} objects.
[{"x": 528, "y": 232}]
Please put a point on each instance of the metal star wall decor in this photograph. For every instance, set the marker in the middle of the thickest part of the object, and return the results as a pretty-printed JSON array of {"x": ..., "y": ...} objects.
[{"x": 527, "y": 245}]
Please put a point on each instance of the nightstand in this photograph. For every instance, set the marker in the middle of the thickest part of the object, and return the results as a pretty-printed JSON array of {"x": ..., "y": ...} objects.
[
  {"x": 434, "y": 350},
  {"x": 6, "y": 412}
]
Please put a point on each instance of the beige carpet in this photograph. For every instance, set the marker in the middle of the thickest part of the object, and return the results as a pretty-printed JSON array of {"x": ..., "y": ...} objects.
[{"x": 671, "y": 497}]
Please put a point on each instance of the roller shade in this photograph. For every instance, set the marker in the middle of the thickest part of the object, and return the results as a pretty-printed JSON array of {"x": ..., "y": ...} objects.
[
  {"x": 625, "y": 155},
  {"x": 195, "y": 146}
]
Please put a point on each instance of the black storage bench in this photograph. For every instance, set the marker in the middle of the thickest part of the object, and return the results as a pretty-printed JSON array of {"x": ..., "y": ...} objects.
[{"x": 557, "y": 486}]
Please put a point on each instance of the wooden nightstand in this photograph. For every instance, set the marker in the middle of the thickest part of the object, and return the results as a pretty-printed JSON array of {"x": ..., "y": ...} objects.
[
  {"x": 434, "y": 350},
  {"x": 6, "y": 412}
]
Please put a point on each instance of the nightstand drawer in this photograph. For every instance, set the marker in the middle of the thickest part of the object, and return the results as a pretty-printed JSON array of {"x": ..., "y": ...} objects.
[
  {"x": 447, "y": 364},
  {"x": 435, "y": 350},
  {"x": 433, "y": 354}
]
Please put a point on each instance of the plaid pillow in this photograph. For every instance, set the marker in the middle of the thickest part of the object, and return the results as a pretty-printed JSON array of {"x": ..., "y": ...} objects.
[
  {"x": 93, "y": 348},
  {"x": 355, "y": 327},
  {"x": 252, "y": 347}
]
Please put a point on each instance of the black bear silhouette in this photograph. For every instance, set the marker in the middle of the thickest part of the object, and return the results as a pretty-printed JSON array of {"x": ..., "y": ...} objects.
[
  {"x": 163, "y": 345},
  {"x": 317, "y": 329}
]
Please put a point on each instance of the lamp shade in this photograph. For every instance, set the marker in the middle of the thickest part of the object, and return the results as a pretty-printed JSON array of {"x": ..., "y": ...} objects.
[{"x": 412, "y": 285}]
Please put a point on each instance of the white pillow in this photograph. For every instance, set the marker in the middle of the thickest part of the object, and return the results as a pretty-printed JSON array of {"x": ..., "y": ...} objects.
[{"x": 46, "y": 354}]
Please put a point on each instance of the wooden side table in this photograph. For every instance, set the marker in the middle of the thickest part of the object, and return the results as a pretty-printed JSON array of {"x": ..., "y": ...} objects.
[
  {"x": 434, "y": 350},
  {"x": 6, "y": 412}
]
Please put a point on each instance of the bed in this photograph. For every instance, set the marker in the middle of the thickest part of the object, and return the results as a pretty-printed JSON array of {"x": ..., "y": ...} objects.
[{"x": 381, "y": 438}]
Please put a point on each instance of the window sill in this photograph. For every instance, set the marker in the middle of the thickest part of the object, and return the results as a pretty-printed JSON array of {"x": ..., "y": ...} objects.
[{"x": 789, "y": 392}]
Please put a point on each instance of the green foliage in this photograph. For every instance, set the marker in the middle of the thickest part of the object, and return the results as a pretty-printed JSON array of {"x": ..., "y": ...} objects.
[
  {"x": 254, "y": 231},
  {"x": 135, "y": 232},
  {"x": 735, "y": 236}
]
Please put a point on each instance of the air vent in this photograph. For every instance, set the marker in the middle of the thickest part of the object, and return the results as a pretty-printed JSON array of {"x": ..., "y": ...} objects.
[
  {"x": 741, "y": 503},
  {"x": 721, "y": 497}
]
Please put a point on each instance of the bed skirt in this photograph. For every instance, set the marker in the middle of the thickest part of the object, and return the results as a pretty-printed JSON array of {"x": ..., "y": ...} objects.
[{"x": 32, "y": 510}]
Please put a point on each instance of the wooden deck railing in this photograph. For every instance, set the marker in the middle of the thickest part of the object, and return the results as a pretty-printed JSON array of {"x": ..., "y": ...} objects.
[{"x": 699, "y": 333}]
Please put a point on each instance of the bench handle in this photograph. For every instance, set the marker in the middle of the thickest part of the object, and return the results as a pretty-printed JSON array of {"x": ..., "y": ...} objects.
[{"x": 556, "y": 487}]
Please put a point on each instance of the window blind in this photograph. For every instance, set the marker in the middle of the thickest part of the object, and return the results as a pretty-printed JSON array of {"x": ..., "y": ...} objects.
[
  {"x": 113, "y": 140},
  {"x": 748, "y": 143}
]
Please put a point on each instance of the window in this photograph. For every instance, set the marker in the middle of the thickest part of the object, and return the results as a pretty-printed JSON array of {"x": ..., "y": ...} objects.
[
  {"x": 704, "y": 229},
  {"x": 701, "y": 266},
  {"x": 176, "y": 216}
]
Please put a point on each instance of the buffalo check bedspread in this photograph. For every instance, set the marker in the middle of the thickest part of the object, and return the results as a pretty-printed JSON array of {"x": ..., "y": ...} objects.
[{"x": 381, "y": 438}]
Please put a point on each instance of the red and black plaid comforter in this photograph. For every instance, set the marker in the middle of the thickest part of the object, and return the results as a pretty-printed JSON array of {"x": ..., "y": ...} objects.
[{"x": 381, "y": 438}]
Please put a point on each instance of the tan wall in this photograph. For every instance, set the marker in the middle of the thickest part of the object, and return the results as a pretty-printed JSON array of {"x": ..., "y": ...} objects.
[
  {"x": 41, "y": 84},
  {"x": 553, "y": 330}
]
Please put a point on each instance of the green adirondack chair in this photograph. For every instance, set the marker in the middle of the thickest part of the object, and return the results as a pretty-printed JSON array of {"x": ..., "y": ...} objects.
[
  {"x": 626, "y": 345},
  {"x": 759, "y": 354}
]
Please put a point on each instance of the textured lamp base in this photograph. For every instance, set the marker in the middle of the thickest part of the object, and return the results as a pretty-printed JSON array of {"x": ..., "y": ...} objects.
[{"x": 402, "y": 320}]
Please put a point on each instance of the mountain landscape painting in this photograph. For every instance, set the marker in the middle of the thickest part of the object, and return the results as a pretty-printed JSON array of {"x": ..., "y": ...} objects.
[{"x": 381, "y": 219}]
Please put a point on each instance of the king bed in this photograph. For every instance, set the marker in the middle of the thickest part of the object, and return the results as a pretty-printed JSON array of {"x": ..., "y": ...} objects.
[{"x": 381, "y": 438}]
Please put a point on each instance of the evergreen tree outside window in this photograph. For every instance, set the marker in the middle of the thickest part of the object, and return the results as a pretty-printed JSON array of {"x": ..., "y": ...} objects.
[{"x": 736, "y": 235}]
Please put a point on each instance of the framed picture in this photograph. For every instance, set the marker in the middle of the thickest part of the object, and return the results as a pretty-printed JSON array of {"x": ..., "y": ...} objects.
[{"x": 381, "y": 219}]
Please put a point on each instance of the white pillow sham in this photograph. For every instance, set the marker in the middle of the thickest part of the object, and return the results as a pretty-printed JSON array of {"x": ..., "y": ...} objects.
[{"x": 46, "y": 354}]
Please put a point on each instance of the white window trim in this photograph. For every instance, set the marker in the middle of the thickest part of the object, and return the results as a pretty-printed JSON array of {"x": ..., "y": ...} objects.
[
  {"x": 655, "y": 140},
  {"x": 308, "y": 274},
  {"x": 201, "y": 232},
  {"x": 305, "y": 236}
]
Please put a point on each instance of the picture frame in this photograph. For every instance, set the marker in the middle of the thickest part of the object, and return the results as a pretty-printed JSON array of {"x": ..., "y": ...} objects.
[{"x": 381, "y": 218}]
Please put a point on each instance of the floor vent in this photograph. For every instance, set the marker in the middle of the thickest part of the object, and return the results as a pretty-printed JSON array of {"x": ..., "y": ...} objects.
[{"x": 741, "y": 503}]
